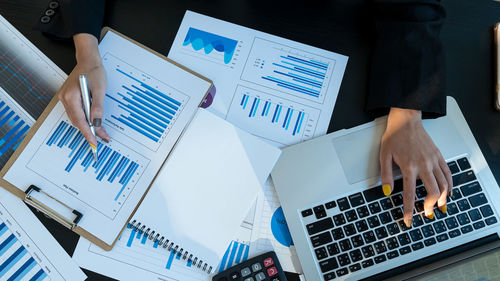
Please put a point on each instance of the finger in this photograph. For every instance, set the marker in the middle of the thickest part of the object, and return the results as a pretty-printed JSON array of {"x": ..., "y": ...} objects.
[
  {"x": 447, "y": 173},
  {"x": 409, "y": 180},
  {"x": 97, "y": 110},
  {"x": 75, "y": 113},
  {"x": 386, "y": 172},
  {"x": 443, "y": 188},
  {"x": 433, "y": 193}
]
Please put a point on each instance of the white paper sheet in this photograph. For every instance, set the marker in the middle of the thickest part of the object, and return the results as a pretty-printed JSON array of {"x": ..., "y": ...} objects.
[
  {"x": 27, "y": 250},
  {"x": 144, "y": 113}
]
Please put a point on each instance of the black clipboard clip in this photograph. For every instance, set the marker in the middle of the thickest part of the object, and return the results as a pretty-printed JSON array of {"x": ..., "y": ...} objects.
[{"x": 51, "y": 213}]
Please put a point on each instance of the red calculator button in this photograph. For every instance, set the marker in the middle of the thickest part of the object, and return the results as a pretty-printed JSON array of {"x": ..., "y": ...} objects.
[
  {"x": 268, "y": 262},
  {"x": 272, "y": 271}
]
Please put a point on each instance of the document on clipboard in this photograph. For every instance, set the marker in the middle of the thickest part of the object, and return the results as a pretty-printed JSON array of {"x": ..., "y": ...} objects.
[{"x": 149, "y": 101}]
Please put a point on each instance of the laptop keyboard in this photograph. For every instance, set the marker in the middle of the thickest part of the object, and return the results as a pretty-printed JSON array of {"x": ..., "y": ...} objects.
[{"x": 368, "y": 228}]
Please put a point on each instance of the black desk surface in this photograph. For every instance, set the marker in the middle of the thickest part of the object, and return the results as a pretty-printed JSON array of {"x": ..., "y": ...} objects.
[{"x": 342, "y": 26}]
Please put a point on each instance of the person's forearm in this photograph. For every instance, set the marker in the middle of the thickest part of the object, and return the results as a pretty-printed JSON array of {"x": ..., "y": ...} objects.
[{"x": 86, "y": 50}]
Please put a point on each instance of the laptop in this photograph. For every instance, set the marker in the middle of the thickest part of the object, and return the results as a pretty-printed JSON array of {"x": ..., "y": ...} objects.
[{"x": 343, "y": 226}]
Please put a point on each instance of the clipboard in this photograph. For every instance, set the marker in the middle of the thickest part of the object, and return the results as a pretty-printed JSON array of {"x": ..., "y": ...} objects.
[{"x": 72, "y": 223}]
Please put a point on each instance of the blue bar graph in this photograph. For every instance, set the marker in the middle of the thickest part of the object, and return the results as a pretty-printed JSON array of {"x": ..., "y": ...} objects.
[
  {"x": 236, "y": 253},
  {"x": 12, "y": 131},
  {"x": 110, "y": 164},
  {"x": 18, "y": 264}
]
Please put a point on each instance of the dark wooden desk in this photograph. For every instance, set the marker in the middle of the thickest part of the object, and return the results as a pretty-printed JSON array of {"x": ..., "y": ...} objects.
[{"x": 342, "y": 26}]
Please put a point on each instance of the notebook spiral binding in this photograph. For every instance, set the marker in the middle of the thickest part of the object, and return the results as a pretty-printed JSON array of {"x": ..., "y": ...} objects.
[{"x": 170, "y": 246}]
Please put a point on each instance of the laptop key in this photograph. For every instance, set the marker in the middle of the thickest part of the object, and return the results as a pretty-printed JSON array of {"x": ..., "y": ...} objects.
[
  {"x": 385, "y": 217},
  {"x": 331, "y": 205},
  {"x": 462, "y": 178},
  {"x": 416, "y": 235},
  {"x": 405, "y": 250},
  {"x": 345, "y": 245},
  {"x": 466, "y": 229},
  {"x": 428, "y": 231},
  {"x": 319, "y": 211},
  {"x": 417, "y": 220},
  {"x": 339, "y": 219},
  {"x": 440, "y": 215},
  {"x": 379, "y": 259},
  {"x": 380, "y": 247},
  {"x": 428, "y": 220},
  {"x": 403, "y": 225},
  {"x": 429, "y": 242},
  {"x": 381, "y": 232},
  {"x": 361, "y": 225},
  {"x": 357, "y": 241},
  {"x": 420, "y": 192},
  {"x": 374, "y": 207},
  {"x": 419, "y": 206},
  {"x": 351, "y": 215},
  {"x": 344, "y": 259},
  {"x": 369, "y": 236},
  {"x": 368, "y": 251},
  {"x": 367, "y": 263},
  {"x": 478, "y": 200},
  {"x": 478, "y": 225},
  {"x": 452, "y": 209},
  {"x": 373, "y": 221},
  {"x": 442, "y": 237},
  {"x": 374, "y": 193},
  {"x": 307, "y": 213},
  {"x": 456, "y": 194},
  {"x": 463, "y": 163},
  {"x": 475, "y": 214},
  {"x": 356, "y": 199},
  {"x": 362, "y": 212},
  {"x": 329, "y": 276},
  {"x": 439, "y": 227},
  {"x": 393, "y": 254},
  {"x": 463, "y": 205},
  {"x": 356, "y": 255},
  {"x": 321, "y": 239},
  {"x": 451, "y": 223},
  {"x": 392, "y": 228},
  {"x": 491, "y": 220},
  {"x": 332, "y": 249},
  {"x": 386, "y": 203},
  {"x": 342, "y": 271},
  {"x": 454, "y": 233},
  {"x": 338, "y": 233},
  {"x": 417, "y": 246},
  {"x": 355, "y": 267},
  {"x": 486, "y": 211},
  {"x": 321, "y": 253},
  {"x": 470, "y": 188},
  {"x": 463, "y": 219},
  {"x": 404, "y": 239},
  {"x": 349, "y": 229},
  {"x": 397, "y": 214},
  {"x": 328, "y": 265},
  {"x": 453, "y": 167},
  {"x": 343, "y": 204},
  {"x": 392, "y": 243},
  {"x": 397, "y": 199},
  {"x": 319, "y": 226}
]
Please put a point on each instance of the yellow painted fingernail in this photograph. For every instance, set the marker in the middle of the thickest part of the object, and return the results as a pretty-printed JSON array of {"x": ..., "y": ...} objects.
[
  {"x": 408, "y": 223},
  {"x": 93, "y": 146},
  {"x": 387, "y": 189},
  {"x": 443, "y": 209},
  {"x": 430, "y": 216}
]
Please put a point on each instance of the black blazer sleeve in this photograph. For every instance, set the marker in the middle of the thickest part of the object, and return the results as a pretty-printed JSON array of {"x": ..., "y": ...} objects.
[
  {"x": 65, "y": 18},
  {"x": 408, "y": 67}
]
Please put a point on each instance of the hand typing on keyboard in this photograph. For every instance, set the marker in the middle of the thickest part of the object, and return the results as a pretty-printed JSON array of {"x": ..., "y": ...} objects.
[{"x": 406, "y": 143}]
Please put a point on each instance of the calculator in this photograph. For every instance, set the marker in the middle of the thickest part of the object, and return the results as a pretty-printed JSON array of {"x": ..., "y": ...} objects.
[{"x": 265, "y": 267}]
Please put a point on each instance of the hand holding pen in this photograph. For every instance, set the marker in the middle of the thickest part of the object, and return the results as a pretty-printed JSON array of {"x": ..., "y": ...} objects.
[{"x": 89, "y": 64}]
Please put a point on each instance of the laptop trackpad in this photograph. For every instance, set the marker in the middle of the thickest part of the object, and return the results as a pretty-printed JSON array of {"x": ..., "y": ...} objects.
[{"x": 359, "y": 153}]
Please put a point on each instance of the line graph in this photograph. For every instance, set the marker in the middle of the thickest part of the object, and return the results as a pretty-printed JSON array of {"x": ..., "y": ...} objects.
[{"x": 39, "y": 93}]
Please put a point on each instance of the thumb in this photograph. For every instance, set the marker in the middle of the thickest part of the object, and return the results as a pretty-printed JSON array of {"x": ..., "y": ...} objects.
[{"x": 386, "y": 173}]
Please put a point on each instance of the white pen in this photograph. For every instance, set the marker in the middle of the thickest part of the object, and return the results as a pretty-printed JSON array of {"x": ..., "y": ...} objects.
[{"x": 84, "y": 89}]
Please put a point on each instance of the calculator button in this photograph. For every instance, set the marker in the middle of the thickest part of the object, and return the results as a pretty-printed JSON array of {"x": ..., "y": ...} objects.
[
  {"x": 260, "y": 276},
  {"x": 249, "y": 279},
  {"x": 235, "y": 275},
  {"x": 245, "y": 272},
  {"x": 272, "y": 271},
  {"x": 275, "y": 279},
  {"x": 256, "y": 267},
  {"x": 268, "y": 262}
]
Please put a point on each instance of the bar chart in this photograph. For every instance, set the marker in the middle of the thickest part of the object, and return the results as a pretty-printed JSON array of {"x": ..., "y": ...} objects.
[
  {"x": 272, "y": 118},
  {"x": 288, "y": 70},
  {"x": 143, "y": 109},
  {"x": 117, "y": 168}
]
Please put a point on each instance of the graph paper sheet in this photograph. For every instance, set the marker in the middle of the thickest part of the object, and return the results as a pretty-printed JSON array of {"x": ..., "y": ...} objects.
[
  {"x": 147, "y": 105},
  {"x": 27, "y": 250}
]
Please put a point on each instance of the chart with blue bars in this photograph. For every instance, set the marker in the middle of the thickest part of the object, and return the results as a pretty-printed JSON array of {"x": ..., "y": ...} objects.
[
  {"x": 141, "y": 108},
  {"x": 116, "y": 170},
  {"x": 272, "y": 118},
  {"x": 211, "y": 47},
  {"x": 16, "y": 263},
  {"x": 288, "y": 70},
  {"x": 14, "y": 124}
]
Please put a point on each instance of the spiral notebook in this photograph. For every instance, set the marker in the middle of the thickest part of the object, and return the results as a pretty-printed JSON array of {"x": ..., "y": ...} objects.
[{"x": 205, "y": 189}]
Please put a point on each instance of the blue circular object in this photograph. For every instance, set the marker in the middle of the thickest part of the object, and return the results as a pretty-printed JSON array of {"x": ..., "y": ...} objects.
[{"x": 280, "y": 228}]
